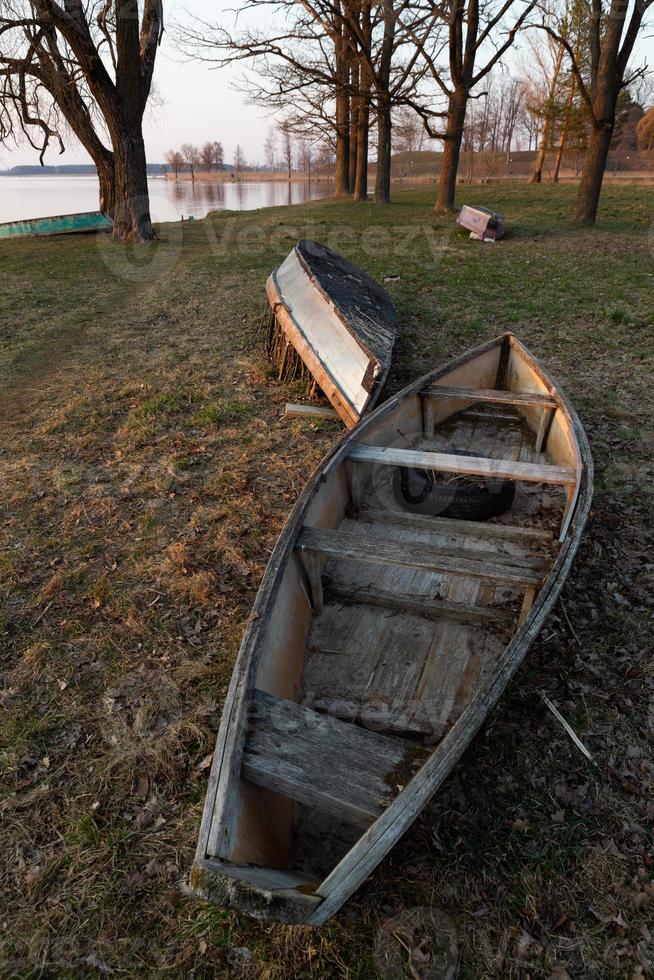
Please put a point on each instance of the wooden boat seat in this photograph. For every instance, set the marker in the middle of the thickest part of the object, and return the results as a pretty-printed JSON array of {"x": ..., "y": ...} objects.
[
  {"x": 452, "y": 527},
  {"x": 465, "y": 465},
  {"x": 493, "y": 396},
  {"x": 324, "y": 762},
  {"x": 436, "y": 609},
  {"x": 499, "y": 569}
]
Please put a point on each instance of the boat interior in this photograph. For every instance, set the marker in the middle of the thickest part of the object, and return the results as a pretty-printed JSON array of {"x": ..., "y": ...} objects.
[{"x": 385, "y": 621}]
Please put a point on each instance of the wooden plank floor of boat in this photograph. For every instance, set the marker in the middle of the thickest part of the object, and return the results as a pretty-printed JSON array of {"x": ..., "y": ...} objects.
[{"x": 412, "y": 673}]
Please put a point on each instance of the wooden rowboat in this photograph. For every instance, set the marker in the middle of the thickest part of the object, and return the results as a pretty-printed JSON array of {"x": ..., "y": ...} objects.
[
  {"x": 341, "y": 323},
  {"x": 64, "y": 224},
  {"x": 482, "y": 223},
  {"x": 382, "y": 636}
]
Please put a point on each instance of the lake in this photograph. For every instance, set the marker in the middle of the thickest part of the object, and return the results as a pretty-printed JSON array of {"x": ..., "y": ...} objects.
[{"x": 170, "y": 200}]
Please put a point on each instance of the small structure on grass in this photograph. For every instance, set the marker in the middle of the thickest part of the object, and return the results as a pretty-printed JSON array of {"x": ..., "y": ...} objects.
[{"x": 484, "y": 225}]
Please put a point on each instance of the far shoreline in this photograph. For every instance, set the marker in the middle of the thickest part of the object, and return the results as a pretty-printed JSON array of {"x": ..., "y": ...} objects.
[{"x": 248, "y": 177}]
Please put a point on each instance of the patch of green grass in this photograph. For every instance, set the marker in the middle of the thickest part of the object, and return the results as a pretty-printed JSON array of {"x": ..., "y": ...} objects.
[
  {"x": 169, "y": 403},
  {"x": 224, "y": 411},
  {"x": 21, "y": 733}
]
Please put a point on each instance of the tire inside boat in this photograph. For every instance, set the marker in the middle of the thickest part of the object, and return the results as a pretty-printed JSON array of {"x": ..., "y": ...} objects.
[{"x": 475, "y": 500}]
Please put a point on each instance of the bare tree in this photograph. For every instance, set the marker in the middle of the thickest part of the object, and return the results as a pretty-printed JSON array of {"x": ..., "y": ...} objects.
[
  {"x": 270, "y": 150},
  {"x": 286, "y": 136},
  {"x": 330, "y": 64},
  {"x": 613, "y": 29},
  {"x": 175, "y": 161},
  {"x": 473, "y": 27},
  {"x": 408, "y": 131},
  {"x": 88, "y": 65},
  {"x": 239, "y": 160},
  {"x": 191, "y": 156},
  {"x": 218, "y": 155},
  {"x": 305, "y": 157},
  {"x": 207, "y": 157},
  {"x": 513, "y": 100},
  {"x": 550, "y": 63}
]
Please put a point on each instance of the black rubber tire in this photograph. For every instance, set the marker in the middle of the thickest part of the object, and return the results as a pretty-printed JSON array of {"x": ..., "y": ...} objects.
[{"x": 419, "y": 493}]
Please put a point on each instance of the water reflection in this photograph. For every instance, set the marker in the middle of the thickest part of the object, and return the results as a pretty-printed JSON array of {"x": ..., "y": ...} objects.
[
  {"x": 170, "y": 200},
  {"x": 199, "y": 198}
]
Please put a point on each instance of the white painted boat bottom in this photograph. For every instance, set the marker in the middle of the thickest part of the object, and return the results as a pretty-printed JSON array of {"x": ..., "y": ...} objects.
[{"x": 326, "y": 333}]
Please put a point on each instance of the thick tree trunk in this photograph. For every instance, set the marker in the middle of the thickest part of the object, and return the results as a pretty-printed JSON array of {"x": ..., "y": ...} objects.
[
  {"x": 590, "y": 186},
  {"x": 384, "y": 133},
  {"x": 363, "y": 114},
  {"x": 363, "y": 128},
  {"x": 456, "y": 117},
  {"x": 342, "y": 149},
  {"x": 132, "y": 220},
  {"x": 382, "y": 92},
  {"x": 131, "y": 216},
  {"x": 342, "y": 114}
]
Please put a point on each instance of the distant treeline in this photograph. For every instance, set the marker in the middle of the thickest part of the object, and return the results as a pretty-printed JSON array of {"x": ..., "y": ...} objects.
[{"x": 73, "y": 169}]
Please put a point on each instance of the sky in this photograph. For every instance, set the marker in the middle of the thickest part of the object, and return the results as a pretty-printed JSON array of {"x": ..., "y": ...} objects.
[{"x": 196, "y": 103}]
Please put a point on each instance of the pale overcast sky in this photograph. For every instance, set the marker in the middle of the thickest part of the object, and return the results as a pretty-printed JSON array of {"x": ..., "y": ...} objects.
[{"x": 200, "y": 103}]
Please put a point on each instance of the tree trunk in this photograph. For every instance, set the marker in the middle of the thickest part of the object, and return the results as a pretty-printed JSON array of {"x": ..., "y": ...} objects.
[
  {"x": 559, "y": 159},
  {"x": 384, "y": 132},
  {"x": 107, "y": 179},
  {"x": 363, "y": 113},
  {"x": 456, "y": 117},
  {"x": 132, "y": 220},
  {"x": 363, "y": 128},
  {"x": 384, "y": 122},
  {"x": 342, "y": 146},
  {"x": 355, "y": 108},
  {"x": 342, "y": 112},
  {"x": 562, "y": 143},
  {"x": 537, "y": 174},
  {"x": 592, "y": 175},
  {"x": 131, "y": 216}
]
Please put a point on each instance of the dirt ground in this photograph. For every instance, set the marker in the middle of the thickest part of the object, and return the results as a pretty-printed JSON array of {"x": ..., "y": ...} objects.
[{"x": 146, "y": 471}]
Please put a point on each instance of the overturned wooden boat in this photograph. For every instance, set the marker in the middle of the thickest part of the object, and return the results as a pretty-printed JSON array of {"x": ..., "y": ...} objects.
[
  {"x": 483, "y": 224},
  {"x": 64, "y": 224},
  {"x": 340, "y": 322},
  {"x": 384, "y": 632}
]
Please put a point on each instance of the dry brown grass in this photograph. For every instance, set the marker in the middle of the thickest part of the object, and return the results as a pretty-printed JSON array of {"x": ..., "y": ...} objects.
[{"x": 147, "y": 470}]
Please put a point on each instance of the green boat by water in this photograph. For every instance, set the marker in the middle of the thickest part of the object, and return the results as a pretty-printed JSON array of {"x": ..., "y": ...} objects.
[{"x": 63, "y": 224}]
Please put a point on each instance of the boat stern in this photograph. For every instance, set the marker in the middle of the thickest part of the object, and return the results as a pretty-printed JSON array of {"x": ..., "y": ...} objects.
[{"x": 261, "y": 893}]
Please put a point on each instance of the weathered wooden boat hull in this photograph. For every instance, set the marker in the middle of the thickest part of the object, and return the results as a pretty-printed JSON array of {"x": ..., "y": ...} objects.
[
  {"x": 481, "y": 222},
  {"x": 65, "y": 224},
  {"x": 340, "y": 322},
  {"x": 373, "y": 654}
]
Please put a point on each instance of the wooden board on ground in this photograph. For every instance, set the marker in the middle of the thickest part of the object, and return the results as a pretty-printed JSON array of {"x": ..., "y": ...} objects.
[{"x": 310, "y": 412}]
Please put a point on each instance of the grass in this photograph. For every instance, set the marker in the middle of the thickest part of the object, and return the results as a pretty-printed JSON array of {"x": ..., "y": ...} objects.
[{"x": 147, "y": 469}]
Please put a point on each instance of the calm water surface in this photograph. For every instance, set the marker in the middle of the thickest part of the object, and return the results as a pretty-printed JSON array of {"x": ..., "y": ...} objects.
[{"x": 38, "y": 197}]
